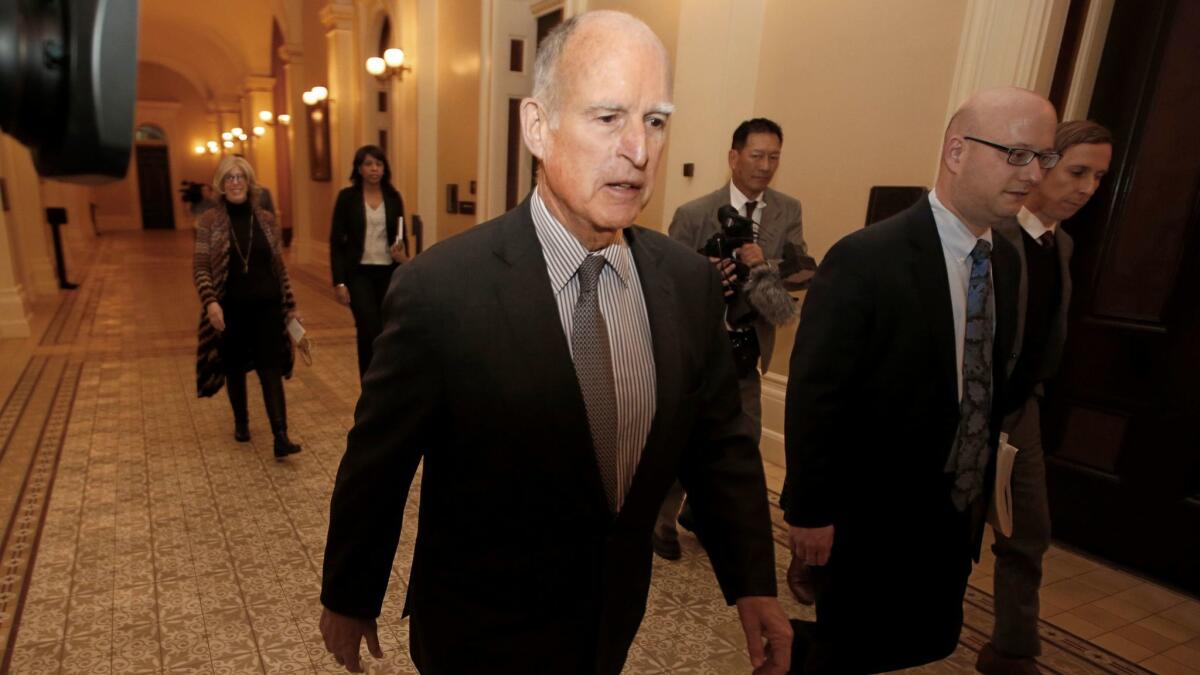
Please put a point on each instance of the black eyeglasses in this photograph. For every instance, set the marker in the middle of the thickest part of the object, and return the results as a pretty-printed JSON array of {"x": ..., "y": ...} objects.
[{"x": 1022, "y": 156}]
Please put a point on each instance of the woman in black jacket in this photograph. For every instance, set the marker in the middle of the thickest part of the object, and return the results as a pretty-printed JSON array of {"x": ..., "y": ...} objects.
[{"x": 366, "y": 243}]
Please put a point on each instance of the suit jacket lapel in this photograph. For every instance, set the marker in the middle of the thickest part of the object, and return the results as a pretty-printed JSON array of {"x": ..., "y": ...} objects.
[
  {"x": 933, "y": 290},
  {"x": 767, "y": 230},
  {"x": 531, "y": 312},
  {"x": 1011, "y": 230}
]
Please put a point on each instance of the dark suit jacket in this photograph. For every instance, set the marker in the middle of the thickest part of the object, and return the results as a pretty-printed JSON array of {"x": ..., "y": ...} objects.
[
  {"x": 872, "y": 411},
  {"x": 696, "y": 222},
  {"x": 519, "y": 564},
  {"x": 349, "y": 228}
]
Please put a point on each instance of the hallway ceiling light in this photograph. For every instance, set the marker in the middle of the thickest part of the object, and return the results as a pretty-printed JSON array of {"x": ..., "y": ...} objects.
[
  {"x": 265, "y": 116},
  {"x": 284, "y": 119},
  {"x": 228, "y": 144},
  {"x": 259, "y": 131},
  {"x": 238, "y": 131}
]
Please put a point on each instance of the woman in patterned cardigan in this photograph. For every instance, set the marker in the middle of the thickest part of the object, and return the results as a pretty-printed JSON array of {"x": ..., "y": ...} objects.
[{"x": 246, "y": 302}]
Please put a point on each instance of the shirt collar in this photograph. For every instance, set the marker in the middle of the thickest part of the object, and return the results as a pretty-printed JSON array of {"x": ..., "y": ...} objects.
[
  {"x": 738, "y": 200},
  {"x": 563, "y": 252},
  {"x": 955, "y": 236},
  {"x": 1034, "y": 225}
]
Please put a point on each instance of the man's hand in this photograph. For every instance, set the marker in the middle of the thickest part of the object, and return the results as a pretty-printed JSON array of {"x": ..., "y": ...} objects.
[
  {"x": 763, "y": 618},
  {"x": 751, "y": 254},
  {"x": 343, "y": 635},
  {"x": 343, "y": 294},
  {"x": 811, "y": 545},
  {"x": 728, "y": 272}
]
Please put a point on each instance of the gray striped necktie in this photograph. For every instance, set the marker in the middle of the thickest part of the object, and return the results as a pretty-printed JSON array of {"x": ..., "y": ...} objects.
[{"x": 593, "y": 367}]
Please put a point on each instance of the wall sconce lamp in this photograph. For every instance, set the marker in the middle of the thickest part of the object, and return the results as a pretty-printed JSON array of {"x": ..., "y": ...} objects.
[
  {"x": 391, "y": 64},
  {"x": 269, "y": 118},
  {"x": 315, "y": 95}
]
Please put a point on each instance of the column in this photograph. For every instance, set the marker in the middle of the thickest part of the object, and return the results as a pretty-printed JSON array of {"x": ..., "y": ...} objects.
[
  {"x": 259, "y": 95},
  {"x": 296, "y": 134},
  {"x": 14, "y": 310},
  {"x": 344, "y": 96},
  {"x": 30, "y": 235}
]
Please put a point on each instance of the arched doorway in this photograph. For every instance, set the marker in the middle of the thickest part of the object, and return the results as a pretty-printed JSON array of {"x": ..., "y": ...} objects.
[{"x": 154, "y": 178}]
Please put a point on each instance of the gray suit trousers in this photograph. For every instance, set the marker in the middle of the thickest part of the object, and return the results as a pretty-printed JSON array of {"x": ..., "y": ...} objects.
[{"x": 1018, "y": 572}]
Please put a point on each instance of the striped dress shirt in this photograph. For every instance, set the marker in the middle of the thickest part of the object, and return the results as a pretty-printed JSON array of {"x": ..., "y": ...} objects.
[{"x": 624, "y": 309}]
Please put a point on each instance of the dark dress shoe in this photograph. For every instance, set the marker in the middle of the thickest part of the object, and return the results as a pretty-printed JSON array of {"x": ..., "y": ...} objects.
[
  {"x": 284, "y": 447},
  {"x": 992, "y": 662},
  {"x": 667, "y": 548},
  {"x": 685, "y": 518},
  {"x": 241, "y": 432}
]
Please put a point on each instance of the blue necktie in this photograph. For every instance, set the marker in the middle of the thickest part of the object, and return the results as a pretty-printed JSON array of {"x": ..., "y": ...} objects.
[{"x": 969, "y": 455}]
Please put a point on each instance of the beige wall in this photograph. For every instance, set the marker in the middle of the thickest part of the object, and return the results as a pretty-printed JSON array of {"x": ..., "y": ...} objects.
[
  {"x": 860, "y": 88},
  {"x": 458, "y": 45}
]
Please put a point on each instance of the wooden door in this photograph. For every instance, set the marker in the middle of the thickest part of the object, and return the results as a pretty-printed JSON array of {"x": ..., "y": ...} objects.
[
  {"x": 154, "y": 188},
  {"x": 1123, "y": 421}
]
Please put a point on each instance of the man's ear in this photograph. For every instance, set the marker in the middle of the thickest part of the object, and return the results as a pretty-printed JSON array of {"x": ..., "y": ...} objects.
[
  {"x": 535, "y": 127},
  {"x": 733, "y": 157},
  {"x": 952, "y": 153}
]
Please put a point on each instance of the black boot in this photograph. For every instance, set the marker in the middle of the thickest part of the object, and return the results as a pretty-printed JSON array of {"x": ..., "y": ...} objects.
[
  {"x": 235, "y": 387},
  {"x": 276, "y": 404}
]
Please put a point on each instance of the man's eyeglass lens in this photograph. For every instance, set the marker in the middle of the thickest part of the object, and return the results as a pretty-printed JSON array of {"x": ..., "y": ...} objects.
[{"x": 1022, "y": 156}]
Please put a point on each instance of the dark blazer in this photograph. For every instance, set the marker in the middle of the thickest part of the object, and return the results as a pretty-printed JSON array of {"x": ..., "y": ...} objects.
[
  {"x": 872, "y": 411},
  {"x": 696, "y": 222},
  {"x": 519, "y": 564},
  {"x": 1057, "y": 338},
  {"x": 349, "y": 228}
]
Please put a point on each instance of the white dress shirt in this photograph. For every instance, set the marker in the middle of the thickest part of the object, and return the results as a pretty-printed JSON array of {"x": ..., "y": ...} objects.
[
  {"x": 1034, "y": 225},
  {"x": 739, "y": 200},
  {"x": 957, "y": 244},
  {"x": 375, "y": 240},
  {"x": 623, "y": 306}
]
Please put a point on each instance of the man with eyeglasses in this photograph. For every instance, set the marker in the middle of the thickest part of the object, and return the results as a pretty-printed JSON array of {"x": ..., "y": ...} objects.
[
  {"x": 1045, "y": 293},
  {"x": 895, "y": 392}
]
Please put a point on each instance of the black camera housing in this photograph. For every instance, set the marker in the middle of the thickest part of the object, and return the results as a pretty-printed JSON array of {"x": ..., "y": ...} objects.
[{"x": 68, "y": 71}]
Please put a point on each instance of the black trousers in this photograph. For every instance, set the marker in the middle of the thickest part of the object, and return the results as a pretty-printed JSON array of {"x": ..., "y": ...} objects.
[
  {"x": 367, "y": 285},
  {"x": 252, "y": 339}
]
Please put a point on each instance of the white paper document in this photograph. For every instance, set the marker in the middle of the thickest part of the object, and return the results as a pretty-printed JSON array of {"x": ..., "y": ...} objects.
[{"x": 1000, "y": 515}]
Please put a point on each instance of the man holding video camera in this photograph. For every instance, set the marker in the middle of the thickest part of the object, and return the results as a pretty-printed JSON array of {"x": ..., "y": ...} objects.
[{"x": 753, "y": 235}]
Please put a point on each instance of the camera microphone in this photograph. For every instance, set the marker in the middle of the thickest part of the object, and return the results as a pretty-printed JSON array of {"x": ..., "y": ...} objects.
[{"x": 725, "y": 213}]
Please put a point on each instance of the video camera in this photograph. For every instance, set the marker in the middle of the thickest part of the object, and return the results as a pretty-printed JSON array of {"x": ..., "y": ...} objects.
[
  {"x": 736, "y": 231},
  {"x": 68, "y": 70}
]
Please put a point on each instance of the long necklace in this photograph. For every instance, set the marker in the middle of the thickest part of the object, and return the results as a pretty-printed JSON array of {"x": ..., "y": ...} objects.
[{"x": 249, "y": 245}]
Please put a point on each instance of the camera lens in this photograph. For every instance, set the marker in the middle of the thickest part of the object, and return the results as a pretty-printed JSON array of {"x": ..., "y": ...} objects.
[{"x": 32, "y": 70}]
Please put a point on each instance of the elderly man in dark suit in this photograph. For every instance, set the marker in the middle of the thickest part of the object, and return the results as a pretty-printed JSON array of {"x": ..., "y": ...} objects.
[
  {"x": 895, "y": 397},
  {"x": 774, "y": 263},
  {"x": 555, "y": 369},
  {"x": 1045, "y": 295}
]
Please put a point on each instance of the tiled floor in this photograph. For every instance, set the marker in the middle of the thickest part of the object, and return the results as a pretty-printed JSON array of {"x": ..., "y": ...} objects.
[{"x": 167, "y": 547}]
